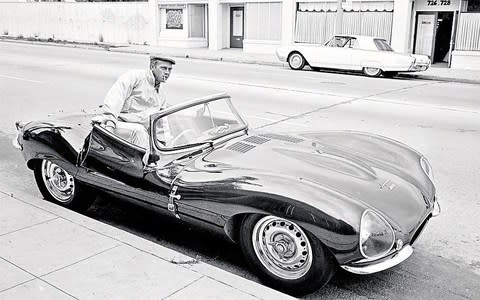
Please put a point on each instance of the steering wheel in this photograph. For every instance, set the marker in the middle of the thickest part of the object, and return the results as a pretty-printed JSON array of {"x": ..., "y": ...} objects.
[{"x": 182, "y": 134}]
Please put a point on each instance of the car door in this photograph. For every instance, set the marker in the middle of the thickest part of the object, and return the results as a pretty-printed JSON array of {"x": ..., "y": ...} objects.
[
  {"x": 335, "y": 54},
  {"x": 115, "y": 165}
]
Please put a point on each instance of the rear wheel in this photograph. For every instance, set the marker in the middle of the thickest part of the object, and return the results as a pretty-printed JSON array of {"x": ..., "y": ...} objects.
[
  {"x": 58, "y": 186},
  {"x": 296, "y": 61},
  {"x": 285, "y": 256},
  {"x": 372, "y": 72}
]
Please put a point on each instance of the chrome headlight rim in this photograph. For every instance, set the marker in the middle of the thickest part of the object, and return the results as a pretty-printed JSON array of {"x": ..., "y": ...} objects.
[
  {"x": 388, "y": 226},
  {"x": 427, "y": 168}
]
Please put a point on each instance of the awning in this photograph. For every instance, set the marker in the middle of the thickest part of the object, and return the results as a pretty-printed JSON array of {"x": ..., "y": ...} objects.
[{"x": 354, "y": 5}]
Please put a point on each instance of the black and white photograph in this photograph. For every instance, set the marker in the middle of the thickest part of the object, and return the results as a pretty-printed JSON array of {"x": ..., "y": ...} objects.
[{"x": 240, "y": 149}]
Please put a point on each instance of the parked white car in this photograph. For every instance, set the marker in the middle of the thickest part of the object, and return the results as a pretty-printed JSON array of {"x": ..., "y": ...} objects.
[{"x": 372, "y": 55}]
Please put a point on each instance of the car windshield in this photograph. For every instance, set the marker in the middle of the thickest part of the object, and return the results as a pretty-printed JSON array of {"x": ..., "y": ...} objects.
[
  {"x": 382, "y": 45},
  {"x": 197, "y": 124},
  {"x": 338, "y": 41}
]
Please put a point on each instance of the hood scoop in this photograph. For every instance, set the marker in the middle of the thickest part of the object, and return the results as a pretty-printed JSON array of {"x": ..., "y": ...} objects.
[
  {"x": 281, "y": 137},
  {"x": 241, "y": 147}
]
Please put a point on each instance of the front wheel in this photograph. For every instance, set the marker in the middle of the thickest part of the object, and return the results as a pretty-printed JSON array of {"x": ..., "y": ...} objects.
[
  {"x": 285, "y": 256},
  {"x": 58, "y": 186},
  {"x": 296, "y": 61},
  {"x": 372, "y": 72}
]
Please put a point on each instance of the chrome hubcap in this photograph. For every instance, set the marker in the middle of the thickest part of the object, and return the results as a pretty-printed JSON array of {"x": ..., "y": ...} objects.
[
  {"x": 296, "y": 60},
  {"x": 282, "y": 247},
  {"x": 58, "y": 182},
  {"x": 371, "y": 71}
]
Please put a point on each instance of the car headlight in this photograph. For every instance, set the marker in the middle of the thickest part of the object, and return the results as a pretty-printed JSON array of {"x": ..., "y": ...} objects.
[
  {"x": 427, "y": 168},
  {"x": 376, "y": 235}
]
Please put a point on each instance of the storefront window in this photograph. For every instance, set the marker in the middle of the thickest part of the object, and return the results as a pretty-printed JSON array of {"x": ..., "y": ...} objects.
[{"x": 196, "y": 17}]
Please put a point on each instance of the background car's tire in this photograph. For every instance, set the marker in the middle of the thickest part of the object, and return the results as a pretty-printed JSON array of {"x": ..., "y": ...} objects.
[
  {"x": 58, "y": 186},
  {"x": 390, "y": 74},
  {"x": 372, "y": 72},
  {"x": 296, "y": 61},
  {"x": 285, "y": 256}
]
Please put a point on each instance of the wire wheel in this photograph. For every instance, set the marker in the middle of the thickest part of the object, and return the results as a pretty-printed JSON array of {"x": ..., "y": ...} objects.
[
  {"x": 58, "y": 182},
  {"x": 282, "y": 247},
  {"x": 296, "y": 61}
]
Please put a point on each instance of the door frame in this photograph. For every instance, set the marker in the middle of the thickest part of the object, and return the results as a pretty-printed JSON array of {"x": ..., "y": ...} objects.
[
  {"x": 432, "y": 49},
  {"x": 232, "y": 9}
]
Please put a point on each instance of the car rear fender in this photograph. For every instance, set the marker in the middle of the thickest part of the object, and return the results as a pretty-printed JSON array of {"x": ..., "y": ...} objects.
[{"x": 48, "y": 142}]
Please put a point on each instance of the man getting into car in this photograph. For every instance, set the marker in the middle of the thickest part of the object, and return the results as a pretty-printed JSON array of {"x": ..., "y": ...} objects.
[{"x": 133, "y": 98}]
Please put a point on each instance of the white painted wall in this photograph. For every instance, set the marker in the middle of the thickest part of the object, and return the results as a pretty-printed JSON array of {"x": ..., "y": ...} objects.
[
  {"x": 260, "y": 46},
  {"x": 402, "y": 14},
  {"x": 114, "y": 22},
  {"x": 469, "y": 60}
]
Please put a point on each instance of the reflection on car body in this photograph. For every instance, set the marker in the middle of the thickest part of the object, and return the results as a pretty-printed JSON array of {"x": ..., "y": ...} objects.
[{"x": 299, "y": 205}]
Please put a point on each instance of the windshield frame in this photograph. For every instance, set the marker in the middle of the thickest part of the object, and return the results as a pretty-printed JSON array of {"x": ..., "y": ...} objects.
[{"x": 154, "y": 118}]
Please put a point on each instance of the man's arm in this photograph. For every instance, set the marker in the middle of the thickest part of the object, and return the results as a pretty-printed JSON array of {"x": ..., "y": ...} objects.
[{"x": 116, "y": 97}]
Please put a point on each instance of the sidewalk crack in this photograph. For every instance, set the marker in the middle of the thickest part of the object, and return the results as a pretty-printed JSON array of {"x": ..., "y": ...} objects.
[
  {"x": 34, "y": 278},
  {"x": 30, "y": 226},
  {"x": 184, "y": 287},
  {"x": 81, "y": 260}
]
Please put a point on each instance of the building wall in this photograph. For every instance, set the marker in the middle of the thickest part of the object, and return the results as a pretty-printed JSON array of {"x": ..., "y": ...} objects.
[
  {"x": 186, "y": 36},
  {"x": 110, "y": 22}
]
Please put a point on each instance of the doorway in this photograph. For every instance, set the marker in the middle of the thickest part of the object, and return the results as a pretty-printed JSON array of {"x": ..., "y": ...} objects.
[
  {"x": 236, "y": 27},
  {"x": 433, "y": 35},
  {"x": 443, "y": 37}
]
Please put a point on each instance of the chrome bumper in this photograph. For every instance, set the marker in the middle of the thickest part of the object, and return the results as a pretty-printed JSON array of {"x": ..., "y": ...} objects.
[{"x": 382, "y": 264}]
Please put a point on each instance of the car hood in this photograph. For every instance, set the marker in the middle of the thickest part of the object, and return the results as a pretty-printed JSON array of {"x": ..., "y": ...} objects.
[{"x": 378, "y": 172}]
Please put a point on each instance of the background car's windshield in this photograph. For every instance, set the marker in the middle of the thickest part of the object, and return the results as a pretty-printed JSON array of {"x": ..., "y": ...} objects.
[
  {"x": 197, "y": 124},
  {"x": 338, "y": 41},
  {"x": 382, "y": 45}
]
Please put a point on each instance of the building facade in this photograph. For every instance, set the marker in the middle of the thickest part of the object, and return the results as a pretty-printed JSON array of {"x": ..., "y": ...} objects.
[{"x": 446, "y": 30}]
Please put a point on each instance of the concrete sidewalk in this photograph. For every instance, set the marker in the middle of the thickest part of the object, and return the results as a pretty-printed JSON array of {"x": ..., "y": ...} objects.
[
  {"x": 436, "y": 72},
  {"x": 48, "y": 252}
]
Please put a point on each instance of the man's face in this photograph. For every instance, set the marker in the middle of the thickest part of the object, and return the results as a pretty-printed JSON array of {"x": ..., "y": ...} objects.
[{"x": 161, "y": 70}]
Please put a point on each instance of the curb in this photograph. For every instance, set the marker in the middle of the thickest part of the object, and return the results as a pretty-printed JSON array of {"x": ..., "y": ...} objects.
[
  {"x": 439, "y": 78},
  {"x": 121, "y": 49}
]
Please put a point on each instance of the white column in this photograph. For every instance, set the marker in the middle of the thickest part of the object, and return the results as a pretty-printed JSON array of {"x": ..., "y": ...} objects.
[
  {"x": 215, "y": 27},
  {"x": 402, "y": 15},
  {"x": 154, "y": 17},
  {"x": 288, "y": 21}
]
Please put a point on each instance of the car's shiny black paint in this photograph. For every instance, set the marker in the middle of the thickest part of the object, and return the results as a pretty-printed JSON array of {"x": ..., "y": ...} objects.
[{"x": 322, "y": 181}]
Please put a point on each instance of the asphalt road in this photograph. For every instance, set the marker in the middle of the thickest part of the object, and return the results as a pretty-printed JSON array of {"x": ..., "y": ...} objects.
[{"x": 440, "y": 119}]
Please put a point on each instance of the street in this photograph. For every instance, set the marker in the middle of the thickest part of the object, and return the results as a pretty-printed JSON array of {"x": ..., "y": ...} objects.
[{"x": 439, "y": 119}]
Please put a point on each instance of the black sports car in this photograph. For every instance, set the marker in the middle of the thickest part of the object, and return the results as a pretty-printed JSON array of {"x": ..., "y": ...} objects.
[{"x": 299, "y": 205}]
